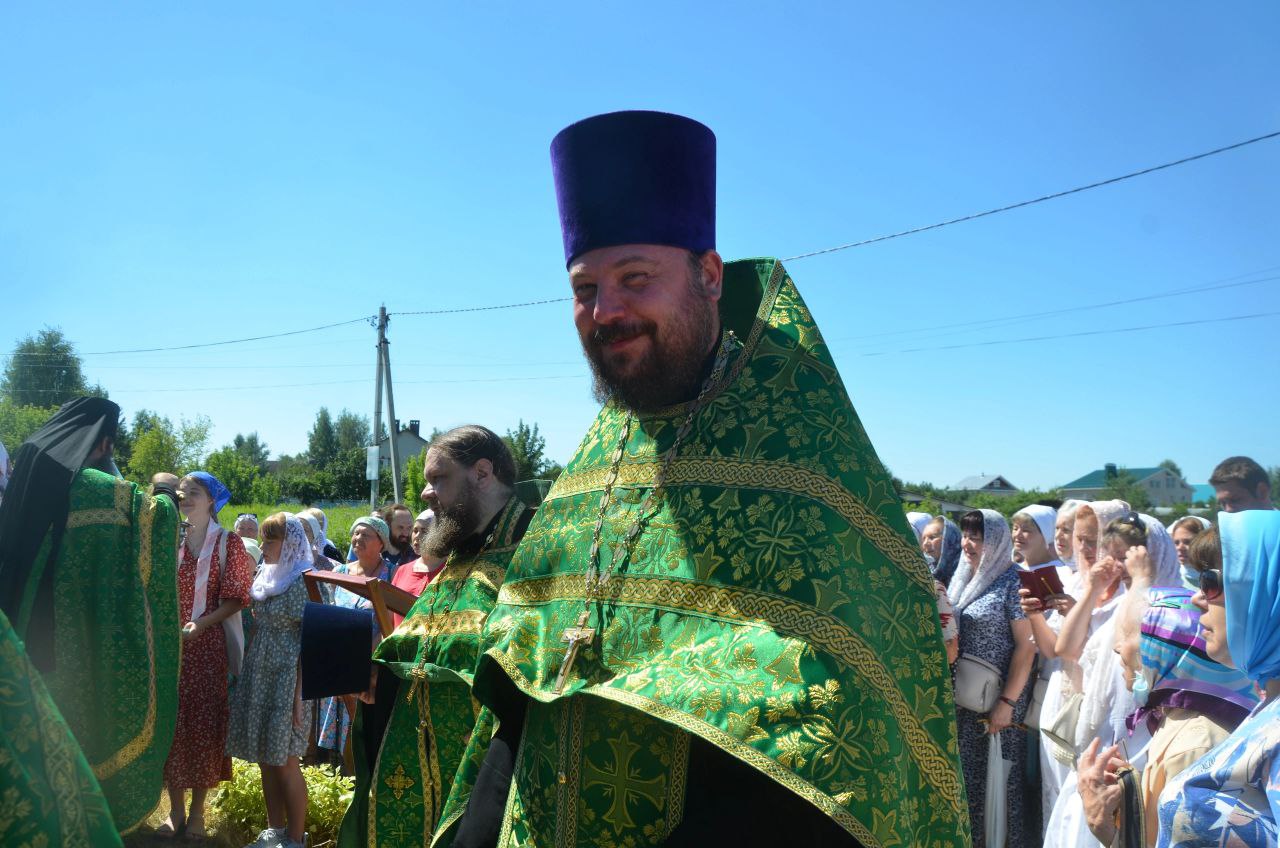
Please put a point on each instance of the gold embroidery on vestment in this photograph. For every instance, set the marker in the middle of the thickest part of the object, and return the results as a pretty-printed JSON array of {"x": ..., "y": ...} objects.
[
  {"x": 111, "y": 517},
  {"x": 765, "y": 475},
  {"x": 136, "y": 746},
  {"x": 744, "y": 606}
]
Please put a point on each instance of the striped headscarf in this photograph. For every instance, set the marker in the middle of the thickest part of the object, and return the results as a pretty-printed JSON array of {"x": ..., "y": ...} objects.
[{"x": 1179, "y": 672}]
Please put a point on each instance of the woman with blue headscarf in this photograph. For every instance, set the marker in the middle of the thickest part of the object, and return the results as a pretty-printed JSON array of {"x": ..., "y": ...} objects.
[
  {"x": 1186, "y": 700},
  {"x": 1232, "y": 795},
  {"x": 214, "y": 574}
]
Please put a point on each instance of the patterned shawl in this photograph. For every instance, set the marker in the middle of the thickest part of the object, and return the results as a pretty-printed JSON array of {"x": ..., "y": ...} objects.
[
  {"x": 972, "y": 580},
  {"x": 775, "y": 603}
]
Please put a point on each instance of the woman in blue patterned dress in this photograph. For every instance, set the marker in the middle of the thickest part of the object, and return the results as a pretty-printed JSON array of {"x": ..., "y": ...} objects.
[
  {"x": 1232, "y": 795},
  {"x": 993, "y": 628}
]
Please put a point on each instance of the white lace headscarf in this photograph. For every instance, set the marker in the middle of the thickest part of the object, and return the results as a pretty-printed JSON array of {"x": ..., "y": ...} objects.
[
  {"x": 972, "y": 579},
  {"x": 295, "y": 558},
  {"x": 323, "y": 541},
  {"x": 1162, "y": 553},
  {"x": 1103, "y": 684}
]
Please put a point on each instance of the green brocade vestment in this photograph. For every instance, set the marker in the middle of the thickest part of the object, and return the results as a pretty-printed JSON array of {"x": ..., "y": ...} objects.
[
  {"x": 48, "y": 795},
  {"x": 775, "y": 604},
  {"x": 433, "y": 652},
  {"x": 116, "y": 636}
]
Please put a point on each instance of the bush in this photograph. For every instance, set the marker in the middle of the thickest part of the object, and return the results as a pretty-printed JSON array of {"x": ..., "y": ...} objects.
[{"x": 237, "y": 812}]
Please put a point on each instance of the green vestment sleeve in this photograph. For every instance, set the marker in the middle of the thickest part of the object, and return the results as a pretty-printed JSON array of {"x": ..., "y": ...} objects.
[
  {"x": 117, "y": 636},
  {"x": 48, "y": 794}
]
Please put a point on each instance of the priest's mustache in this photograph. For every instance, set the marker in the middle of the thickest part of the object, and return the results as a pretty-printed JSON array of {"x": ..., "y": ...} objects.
[{"x": 617, "y": 332}]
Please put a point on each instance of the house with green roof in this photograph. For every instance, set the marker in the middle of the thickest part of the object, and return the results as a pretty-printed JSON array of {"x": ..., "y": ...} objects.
[{"x": 1164, "y": 488}]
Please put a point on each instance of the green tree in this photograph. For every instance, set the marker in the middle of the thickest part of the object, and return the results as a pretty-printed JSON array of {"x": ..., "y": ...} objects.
[
  {"x": 414, "y": 482},
  {"x": 236, "y": 472},
  {"x": 322, "y": 441},
  {"x": 19, "y": 422},
  {"x": 352, "y": 430},
  {"x": 1124, "y": 486},
  {"x": 1172, "y": 466},
  {"x": 252, "y": 449},
  {"x": 527, "y": 448},
  {"x": 43, "y": 371},
  {"x": 159, "y": 445},
  {"x": 154, "y": 451},
  {"x": 266, "y": 489}
]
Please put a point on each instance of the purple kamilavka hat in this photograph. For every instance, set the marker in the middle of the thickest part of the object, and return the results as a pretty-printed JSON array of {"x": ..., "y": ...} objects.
[{"x": 635, "y": 178}]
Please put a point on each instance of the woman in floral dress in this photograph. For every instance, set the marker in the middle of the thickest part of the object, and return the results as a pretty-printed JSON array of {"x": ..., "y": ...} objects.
[
  {"x": 210, "y": 590},
  {"x": 269, "y": 719}
]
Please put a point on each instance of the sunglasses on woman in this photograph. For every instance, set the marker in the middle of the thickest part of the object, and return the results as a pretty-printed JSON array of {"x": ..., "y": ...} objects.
[{"x": 1211, "y": 583}]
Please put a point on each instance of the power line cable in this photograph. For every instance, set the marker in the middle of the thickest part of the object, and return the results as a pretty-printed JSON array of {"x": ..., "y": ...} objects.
[
  {"x": 481, "y": 308},
  {"x": 991, "y": 323},
  {"x": 993, "y": 342},
  {"x": 976, "y": 215},
  {"x": 334, "y": 383}
]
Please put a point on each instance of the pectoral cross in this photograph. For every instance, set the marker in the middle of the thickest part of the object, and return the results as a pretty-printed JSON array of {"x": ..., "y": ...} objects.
[{"x": 576, "y": 636}]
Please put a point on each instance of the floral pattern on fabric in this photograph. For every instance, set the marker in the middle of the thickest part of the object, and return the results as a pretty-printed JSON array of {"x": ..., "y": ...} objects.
[
  {"x": 1231, "y": 797},
  {"x": 985, "y": 633},
  {"x": 198, "y": 756},
  {"x": 262, "y": 728}
]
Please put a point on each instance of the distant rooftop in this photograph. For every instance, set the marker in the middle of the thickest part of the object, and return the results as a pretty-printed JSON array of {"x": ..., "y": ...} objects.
[
  {"x": 983, "y": 481},
  {"x": 1098, "y": 479}
]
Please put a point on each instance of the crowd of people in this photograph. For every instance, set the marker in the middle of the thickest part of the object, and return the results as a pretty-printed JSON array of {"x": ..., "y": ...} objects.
[
  {"x": 716, "y": 628},
  {"x": 1084, "y": 645}
]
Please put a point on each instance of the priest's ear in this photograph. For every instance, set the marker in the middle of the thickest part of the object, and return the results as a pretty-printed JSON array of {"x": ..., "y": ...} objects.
[
  {"x": 707, "y": 269},
  {"x": 482, "y": 472}
]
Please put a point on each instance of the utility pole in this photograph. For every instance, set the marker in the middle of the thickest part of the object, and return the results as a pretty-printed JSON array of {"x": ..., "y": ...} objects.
[
  {"x": 391, "y": 408},
  {"x": 377, "y": 405},
  {"x": 383, "y": 375}
]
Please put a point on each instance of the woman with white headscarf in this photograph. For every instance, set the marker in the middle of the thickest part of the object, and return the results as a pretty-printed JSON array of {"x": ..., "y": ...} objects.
[
  {"x": 1105, "y": 531},
  {"x": 269, "y": 720},
  {"x": 993, "y": 629}
]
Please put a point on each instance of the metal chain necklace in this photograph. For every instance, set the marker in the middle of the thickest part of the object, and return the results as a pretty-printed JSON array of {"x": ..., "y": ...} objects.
[{"x": 582, "y": 634}]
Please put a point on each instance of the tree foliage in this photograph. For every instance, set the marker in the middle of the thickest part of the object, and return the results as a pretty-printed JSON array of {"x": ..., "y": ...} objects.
[
  {"x": 160, "y": 445},
  {"x": 236, "y": 472},
  {"x": 528, "y": 449},
  {"x": 322, "y": 441},
  {"x": 352, "y": 430},
  {"x": 252, "y": 449},
  {"x": 1172, "y": 466},
  {"x": 19, "y": 422},
  {"x": 43, "y": 371},
  {"x": 1124, "y": 486}
]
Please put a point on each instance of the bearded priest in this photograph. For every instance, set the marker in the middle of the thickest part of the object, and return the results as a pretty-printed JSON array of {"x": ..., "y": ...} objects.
[
  {"x": 718, "y": 629},
  {"x": 409, "y": 743}
]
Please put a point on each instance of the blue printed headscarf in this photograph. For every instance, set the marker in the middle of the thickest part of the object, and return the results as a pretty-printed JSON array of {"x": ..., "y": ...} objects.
[
  {"x": 221, "y": 494},
  {"x": 1251, "y": 589}
]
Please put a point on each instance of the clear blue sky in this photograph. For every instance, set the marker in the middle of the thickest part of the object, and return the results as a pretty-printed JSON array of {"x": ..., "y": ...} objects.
[{"x": 175, "y": 175}]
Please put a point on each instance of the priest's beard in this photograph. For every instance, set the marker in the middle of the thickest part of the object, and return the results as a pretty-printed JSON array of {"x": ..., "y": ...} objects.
[
  {"x": 453, "y": 524},
  {"x": 672, "y": 370}
]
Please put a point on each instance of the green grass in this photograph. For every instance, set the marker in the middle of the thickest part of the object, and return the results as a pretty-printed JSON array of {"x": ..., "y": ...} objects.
[{"x": 340, "y": 518}]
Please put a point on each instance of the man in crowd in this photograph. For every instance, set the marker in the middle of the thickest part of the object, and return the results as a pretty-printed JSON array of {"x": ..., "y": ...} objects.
[
  {"x": 1241, "y": 484},
  {"x": 399, "y": 548},
  {"x": 718, "y": 629},
  {"x": 409, "y": 742},
  {"x": 400, "y": 521},
  {"x": 88, "y": 577}
]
